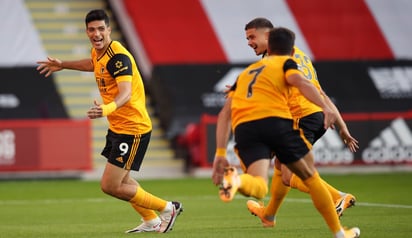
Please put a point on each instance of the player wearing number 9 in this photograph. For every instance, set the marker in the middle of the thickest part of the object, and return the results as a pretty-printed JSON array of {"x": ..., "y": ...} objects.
[{"x": 122, "y": 91}]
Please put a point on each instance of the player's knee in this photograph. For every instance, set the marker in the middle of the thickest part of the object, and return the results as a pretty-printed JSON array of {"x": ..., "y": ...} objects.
[
  {"x": 107, "y": 189},
  {"x": 286, "y": 181}
]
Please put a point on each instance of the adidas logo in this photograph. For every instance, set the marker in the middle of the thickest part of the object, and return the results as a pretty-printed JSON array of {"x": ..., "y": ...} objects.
[
  {"x": 330, "y": 149},
  {"x": 393, "y": 82},
  {"x": 120, "y": 159},
  {"x": 393, "y": 144}
]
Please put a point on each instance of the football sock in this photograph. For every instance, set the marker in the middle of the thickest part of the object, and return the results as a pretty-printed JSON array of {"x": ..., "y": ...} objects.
[
  {"x": 278, "y": 192},
  {"x": 147, "y": 200},
  {"x": 336, "y": 194},
  {"x": 254, "y": 186},
  {"x": 322, "y": 200},
  {"x": 147, "y": 214},
  {"x": 296, "y": 182}
]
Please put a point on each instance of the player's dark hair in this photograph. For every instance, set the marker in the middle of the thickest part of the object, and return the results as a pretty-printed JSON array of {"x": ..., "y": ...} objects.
[
  {"x": 281, "y": 41},
  {"x": 258, "y": 23},
  {"x": 97, "y": 15}
]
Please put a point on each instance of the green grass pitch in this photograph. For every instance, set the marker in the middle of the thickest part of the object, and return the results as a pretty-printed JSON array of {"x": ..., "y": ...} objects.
[{"x": 74, "y": 208}]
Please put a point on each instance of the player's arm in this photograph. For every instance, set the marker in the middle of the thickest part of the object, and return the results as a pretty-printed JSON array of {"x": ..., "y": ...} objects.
[
  {"x": 344, "y": 133},
  {"x": 101, "y": 110},
  {"x": 223, "y": 127},
  {"x": 295, "y": 78},
  {"x": 120, "y": 68},
  {"x": 53, "y": 64}
]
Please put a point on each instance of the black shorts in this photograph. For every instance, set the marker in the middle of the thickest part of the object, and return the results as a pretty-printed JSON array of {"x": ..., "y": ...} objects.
[
  {"x": 126, "y": 151},
  {"x": 262, "y": 138},
  {"x": 312, "y": 126}
]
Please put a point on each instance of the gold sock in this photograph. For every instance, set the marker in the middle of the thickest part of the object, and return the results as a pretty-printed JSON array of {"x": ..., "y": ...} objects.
[
  {"x": 148, "y": 200},
  {"x": 323, "y": 202},
  {"x": 147, "y": 214},
  {"x": 296, "y": 182},
  {"x": 278, "y": 192},
  {"x": 336, "y": 194},
  {"x": 253, "y": 186}
]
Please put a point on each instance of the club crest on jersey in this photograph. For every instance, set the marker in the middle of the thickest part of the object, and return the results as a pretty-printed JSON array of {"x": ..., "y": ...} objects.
[
  {"x": 120, "y": 67},
  {"x": 102, "y": 70},
  {"x": 119, "y": 64}
]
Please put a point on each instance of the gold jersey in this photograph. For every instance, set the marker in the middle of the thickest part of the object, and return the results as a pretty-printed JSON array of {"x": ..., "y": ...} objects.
[
  {"x": 261, "y": 90},
  {"x": 298, "y": 104},
  {"x": 114, "y": 66}
]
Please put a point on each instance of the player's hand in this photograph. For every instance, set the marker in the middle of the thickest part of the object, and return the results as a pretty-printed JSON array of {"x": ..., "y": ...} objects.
[
  {"x": 219, "y": 165},
  {"x": 95, "y": 111},
  {"x": 329, "y": 118},
  {"x": 349, "y": 141},
  {"x": 49, "y": 66}
]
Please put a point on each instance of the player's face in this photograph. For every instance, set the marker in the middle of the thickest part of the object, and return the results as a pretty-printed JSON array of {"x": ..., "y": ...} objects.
[
  {"x": 257, "y": 39},
  {"x": 99, "y": 34}
]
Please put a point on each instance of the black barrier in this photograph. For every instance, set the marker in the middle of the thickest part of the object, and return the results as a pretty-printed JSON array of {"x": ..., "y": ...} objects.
[
  {"x": 25, "y": 94},
  {"x": 368, "y": 86}
]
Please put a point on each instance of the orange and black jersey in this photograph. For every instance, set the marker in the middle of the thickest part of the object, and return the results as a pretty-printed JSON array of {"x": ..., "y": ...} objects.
[
  {"x": 261, "y": 90},
  {"x": 299, "y": 105},
  {"x": 114, "y": 66}
]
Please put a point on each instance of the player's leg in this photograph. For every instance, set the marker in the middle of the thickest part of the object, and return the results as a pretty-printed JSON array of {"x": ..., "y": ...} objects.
[
  {"x": 150, "y": 220},
  {"x": 322, "y": 200},
  {"x": 278, "y": 192},
  {"x": 252, "y": 183},
  {"x": 116, "y": 179},
  {"x": 255, "y": 159},
  {"x": 312, "y": 126}
]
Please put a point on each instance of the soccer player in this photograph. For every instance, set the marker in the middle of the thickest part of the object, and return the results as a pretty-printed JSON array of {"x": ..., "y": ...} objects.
[
  {"x": 263, "y": 124},
  {"x": 121, "y": 88},
  {"x": 309, "y": 117}
]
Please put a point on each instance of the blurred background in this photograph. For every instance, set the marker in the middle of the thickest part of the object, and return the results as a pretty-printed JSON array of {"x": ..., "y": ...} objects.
[{"x": 187, "y": 51}]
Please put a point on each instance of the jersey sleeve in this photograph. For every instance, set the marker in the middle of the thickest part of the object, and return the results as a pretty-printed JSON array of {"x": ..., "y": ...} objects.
[
  {"x": 291, "y": 67},
  {"x": 231, "y": 91},
  {"x": 119, "y": 65}
]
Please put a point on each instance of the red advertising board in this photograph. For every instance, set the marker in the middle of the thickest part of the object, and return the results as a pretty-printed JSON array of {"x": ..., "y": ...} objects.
[{"x": 45, "y": 145}]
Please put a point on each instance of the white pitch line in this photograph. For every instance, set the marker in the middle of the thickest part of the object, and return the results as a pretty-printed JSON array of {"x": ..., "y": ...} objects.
[
  {"x": 99, "y": 200},
  {"x": 363, "y": 204}
]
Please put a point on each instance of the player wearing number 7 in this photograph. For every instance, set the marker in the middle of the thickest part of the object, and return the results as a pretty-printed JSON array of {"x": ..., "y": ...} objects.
[
  {"x": 263, "y": 123},
  {"x": 121, "y": 88}
]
